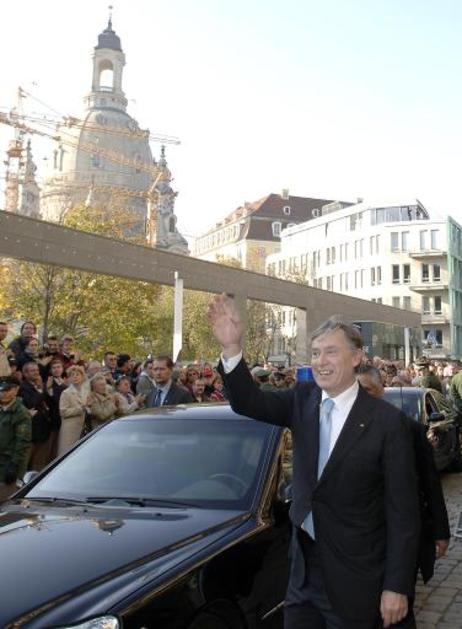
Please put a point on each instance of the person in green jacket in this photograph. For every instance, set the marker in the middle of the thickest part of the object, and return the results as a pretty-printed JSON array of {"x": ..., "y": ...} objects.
[
  {"x": 428, "y": 379},
  {"x": 15, "y": 437},
  {"x": 455, "y": 391}
]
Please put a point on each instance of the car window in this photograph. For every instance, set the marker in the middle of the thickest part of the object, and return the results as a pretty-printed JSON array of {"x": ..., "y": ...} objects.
[
  {"x": 410, "y": 404},
  {"x": 198, "y": 461}
]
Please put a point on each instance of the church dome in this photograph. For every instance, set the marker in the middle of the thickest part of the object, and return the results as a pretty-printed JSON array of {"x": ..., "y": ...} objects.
[{"x": 108, "y": 39}]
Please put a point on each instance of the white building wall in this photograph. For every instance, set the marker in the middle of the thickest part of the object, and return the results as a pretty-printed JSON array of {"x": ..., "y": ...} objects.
[{"x": 379, "y": 262}]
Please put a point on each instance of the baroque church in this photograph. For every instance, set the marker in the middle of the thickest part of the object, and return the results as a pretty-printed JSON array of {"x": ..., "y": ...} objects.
[{"x": 102, "y": 159}]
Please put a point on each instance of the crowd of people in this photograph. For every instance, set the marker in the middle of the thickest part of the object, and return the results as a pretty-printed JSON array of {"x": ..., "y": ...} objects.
[{"x": 67, "y": 395}]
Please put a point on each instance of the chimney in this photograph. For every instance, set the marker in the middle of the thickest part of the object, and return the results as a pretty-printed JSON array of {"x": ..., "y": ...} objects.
[{"x": 285, "y": 194}]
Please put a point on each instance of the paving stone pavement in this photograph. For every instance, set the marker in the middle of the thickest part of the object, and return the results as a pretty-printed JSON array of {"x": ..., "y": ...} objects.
[{"x": 438, "y": 604}]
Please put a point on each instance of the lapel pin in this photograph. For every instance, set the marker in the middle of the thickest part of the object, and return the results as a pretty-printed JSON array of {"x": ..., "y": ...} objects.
[{"x": 361, "y": 425}]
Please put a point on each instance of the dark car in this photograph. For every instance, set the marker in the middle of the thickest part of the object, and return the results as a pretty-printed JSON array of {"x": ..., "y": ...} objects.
[
  {"x": 437, "y": 414},
  {"x": 175, "y": 518}
]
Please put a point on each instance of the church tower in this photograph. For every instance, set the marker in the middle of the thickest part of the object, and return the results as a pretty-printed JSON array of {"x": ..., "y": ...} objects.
[
  {"x": 105, "y": 150},
  {"x": 22, "y": 194},
  {"x": 162, "y": 231},
  {"x": 104, "y": 158},
  {"x": 108, "y": 64}
]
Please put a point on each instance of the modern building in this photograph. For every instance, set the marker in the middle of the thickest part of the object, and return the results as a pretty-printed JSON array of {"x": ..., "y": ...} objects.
[
  {"x": 253, "y": 231},
  {"x": 393, "y": 254}
]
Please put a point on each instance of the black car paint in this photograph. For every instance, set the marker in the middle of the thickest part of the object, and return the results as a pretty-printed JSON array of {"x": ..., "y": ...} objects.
[{"x": 152, "y": 568}]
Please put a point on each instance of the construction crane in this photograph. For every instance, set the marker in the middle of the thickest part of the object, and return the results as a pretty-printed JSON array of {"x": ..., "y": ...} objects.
[{"x": 17, "y": 119}]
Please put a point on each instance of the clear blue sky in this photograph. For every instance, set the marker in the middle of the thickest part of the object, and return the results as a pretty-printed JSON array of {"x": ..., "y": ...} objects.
[{"x": 336, "y": 99}]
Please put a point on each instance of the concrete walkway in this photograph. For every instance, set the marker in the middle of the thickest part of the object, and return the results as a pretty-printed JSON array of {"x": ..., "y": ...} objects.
[{"x": 439, "y": 603}]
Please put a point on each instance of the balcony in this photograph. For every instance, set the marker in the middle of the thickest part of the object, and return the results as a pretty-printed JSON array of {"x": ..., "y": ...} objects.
[
  {"x": 426, "y": 287},
  {"x": 427, "y": 253},
  {"x": 435, "y": 319}
]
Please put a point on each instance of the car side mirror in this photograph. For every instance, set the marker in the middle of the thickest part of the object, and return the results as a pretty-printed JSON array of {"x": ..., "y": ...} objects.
[
  {"x": 436, "y": 417},
  {"x": 29, "y": 476}
]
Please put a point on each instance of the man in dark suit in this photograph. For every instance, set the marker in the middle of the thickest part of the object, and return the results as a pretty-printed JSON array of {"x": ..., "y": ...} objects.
[
  {"x": 166, "y": 392},
  {"x": 355, "y": 506},
  {"x": 435, "y": 532}
]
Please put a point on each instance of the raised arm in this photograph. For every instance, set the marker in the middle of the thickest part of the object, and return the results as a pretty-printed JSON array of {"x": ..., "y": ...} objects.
[{"x": 246, "y": 398}]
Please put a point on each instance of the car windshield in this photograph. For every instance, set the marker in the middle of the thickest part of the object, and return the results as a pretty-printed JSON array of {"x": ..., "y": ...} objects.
[
  {"x": 409, "y": 404},
  {"x": 163, "y": 462}
]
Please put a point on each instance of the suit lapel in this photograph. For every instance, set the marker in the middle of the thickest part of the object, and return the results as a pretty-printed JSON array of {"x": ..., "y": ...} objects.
[
  {"x": 353, "y": 429},
  {"x": 310, "y": 415}
]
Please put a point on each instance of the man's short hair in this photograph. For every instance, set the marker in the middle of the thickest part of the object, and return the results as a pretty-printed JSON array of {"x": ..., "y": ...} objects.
[
  {"x": 370, "y": 370},
  {"x": 106, "y": 354},
  {"x": 122, "y": 359},
  {"x": 332, "y": 324},
  {"x": 147, "y": 362},
  {"x": 52, "y": 337},
  {"x": 3, "y": 323},
  {"x": 67, "y": 337},
  {"x": 26, "y": 366},
  {"x": 164, "y": 359}
]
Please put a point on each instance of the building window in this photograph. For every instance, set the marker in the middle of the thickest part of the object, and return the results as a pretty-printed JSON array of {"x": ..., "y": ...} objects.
[
  {"x": 286, "y": 210},
  {"x": 362, "y": 278},
  {"x": 333, "y": 255},
  {"x": 346, "y": 251},
  {"x": 423, "y": 240},
  {"x": 276, "y": 227},
  {"x": 395, "y": 302},
  {"x": 436, "y": 273},
  {"x": 425, "y": 273},
  {"x": 407, "y": 302},
  {"x": 356, "y": 279},
  {"x": 361, "y": 247},
  {"x": 395, "y": 273},
  {"x": 434, "y": 238},
  {"x": 379, "y": 275},
  {"x": 434, "y": 336},
  {"x": 438, "y": 309},
  {"x": 377, "y": 244},
  {"x": 394, "y": 241},
  {"x": 406, "y": 273},
  {"x": 404, "y": 241},
  {"x": 346, "y": 281},
  {"x": 320, "y": 282},
  {"x": 328, "y": 255},
  {"x": 426, "y": 305},
  {"x": 372, "y": 245},
  {"x": 379, "y": 300},
  {"x": 372, "y": 276}
]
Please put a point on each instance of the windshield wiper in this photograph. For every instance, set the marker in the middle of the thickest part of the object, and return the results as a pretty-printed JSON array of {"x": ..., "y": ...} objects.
[
  {"x": 54, "y": 499},
  {"x": 140, "y": 501}
]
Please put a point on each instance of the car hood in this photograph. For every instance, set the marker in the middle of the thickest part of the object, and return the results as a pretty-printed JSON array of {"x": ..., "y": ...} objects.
[{"x": 49, "y": 552}]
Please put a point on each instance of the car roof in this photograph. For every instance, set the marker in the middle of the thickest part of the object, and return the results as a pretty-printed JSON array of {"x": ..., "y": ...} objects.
[
  {"x": 213, "y": 410},
  {"x": 408, "y": 391}
]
